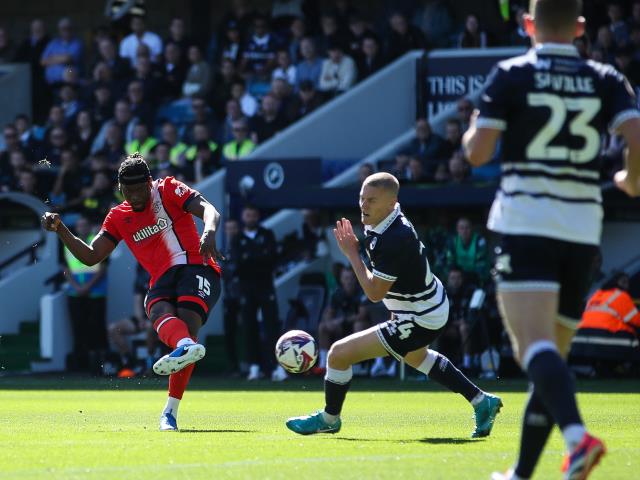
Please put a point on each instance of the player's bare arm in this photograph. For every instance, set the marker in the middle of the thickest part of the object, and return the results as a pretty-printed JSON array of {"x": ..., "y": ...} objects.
[
  {"x": 93, "y": 254},
  {"x": 374, "y": 287},
  {"x": 201, "y": 208},
  {"x": 479, "y": 143},
  {"x": 628, "y": 179}
]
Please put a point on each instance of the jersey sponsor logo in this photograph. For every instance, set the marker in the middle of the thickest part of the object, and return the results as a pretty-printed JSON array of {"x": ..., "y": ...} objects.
[
  {"x": 372, "y": 245},
  {"x": 150, "y": 230}
]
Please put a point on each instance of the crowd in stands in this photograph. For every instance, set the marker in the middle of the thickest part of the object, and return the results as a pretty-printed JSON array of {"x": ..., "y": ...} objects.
[{"x": 191, "y": 107}]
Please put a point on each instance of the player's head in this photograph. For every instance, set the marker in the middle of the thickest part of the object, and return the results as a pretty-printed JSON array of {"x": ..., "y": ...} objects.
[
  {"x": 250, "y": 217},
  {"x": 378, "y": 197},
  {"x": 554, "y": 20},
  {"x": 134, "y": 181}
]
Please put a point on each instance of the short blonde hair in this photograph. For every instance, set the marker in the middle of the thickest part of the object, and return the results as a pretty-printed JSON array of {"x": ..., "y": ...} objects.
[{"x": 383, "y": 180}]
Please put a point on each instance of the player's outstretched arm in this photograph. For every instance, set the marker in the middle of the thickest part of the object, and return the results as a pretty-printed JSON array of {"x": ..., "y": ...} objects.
[
  {"x": 99, "y": 249},
  {"x": 628, "y": 179},
  {"x": 201, "y": 208}
]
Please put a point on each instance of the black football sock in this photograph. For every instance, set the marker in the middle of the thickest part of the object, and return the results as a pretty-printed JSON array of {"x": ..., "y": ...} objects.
[
  {"x": 446, "y": 374},
  {"x": 336, "y": 386}
]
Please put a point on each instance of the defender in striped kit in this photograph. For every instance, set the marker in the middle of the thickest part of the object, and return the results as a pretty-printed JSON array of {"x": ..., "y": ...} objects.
[
  {"x": 549, "y": 109},
  {"x": 399, "y": 276},
  {"x": 156, "y": 222}
]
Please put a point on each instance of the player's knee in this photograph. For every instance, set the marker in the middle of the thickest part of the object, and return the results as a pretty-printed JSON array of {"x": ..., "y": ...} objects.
[
  {"x": 339, "y": 352},
  {"x": 159, "y": 309}
]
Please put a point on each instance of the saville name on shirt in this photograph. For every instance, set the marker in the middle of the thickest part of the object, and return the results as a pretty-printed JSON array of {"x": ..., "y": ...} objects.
[{"x": 564, "y": 83}]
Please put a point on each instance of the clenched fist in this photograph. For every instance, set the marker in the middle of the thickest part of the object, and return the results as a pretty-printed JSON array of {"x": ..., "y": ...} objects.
[{"x": 50, "y": 221}]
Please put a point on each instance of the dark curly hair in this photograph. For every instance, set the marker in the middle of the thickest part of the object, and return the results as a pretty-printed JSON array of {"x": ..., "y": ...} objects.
[{"x": 133, "y": 169}]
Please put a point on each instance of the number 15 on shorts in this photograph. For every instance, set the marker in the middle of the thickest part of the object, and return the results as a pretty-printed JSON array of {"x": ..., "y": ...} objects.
[{"x": 204, "y": 285}]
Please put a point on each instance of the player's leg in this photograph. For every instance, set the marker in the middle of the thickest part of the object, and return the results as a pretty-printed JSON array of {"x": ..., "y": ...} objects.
[{"x": 355, "y": 348}]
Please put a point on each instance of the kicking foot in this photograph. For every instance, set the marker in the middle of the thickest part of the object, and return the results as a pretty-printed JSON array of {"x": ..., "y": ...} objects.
[
  {"x": 314, "y": 423},
  {"x": 179, "y": 358},
  {"x": 485, "y": 414}
]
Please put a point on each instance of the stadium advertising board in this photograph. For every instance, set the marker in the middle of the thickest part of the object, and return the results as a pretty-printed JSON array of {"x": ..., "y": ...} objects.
[{"x": 452, "y": 74}]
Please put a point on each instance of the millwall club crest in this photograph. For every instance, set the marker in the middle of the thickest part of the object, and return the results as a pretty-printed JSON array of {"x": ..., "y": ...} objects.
[{"x": 372, "y": 245}]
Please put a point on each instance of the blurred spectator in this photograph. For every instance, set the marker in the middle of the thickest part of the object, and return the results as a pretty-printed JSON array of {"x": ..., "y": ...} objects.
[
  {"x": 178, "y": 34},
  {"x": 468, "y": 250},
  {"x": 452, "y": 138},
  {"x": 634, "y": 20},
  {"x": 232, "y": 46},
  {"x": 62, "y": 52},
  {"x": 241, "y": 13},
  {"x": 340, "y": 317},
  {"x": 305, "y": 102},
  {"x": 201, "y": 137},
  {"x": 86, "y": 296},
  {"x": 199, "y": 78},
  {"x": 30, "y": 51},
  {"x": 98, "y": 197},
  {"x": 268, "y": 121},
  {"x": 28, "y": 183},
  {"x": 583, "y": 46},
  {"x": 310, "y": 67},
  {"x": 200, "y": 113},
  {"x": 284, "y": 69},
  {"x": 472, "y": 36},
  {"x": 364, "y": 171},
  {"x": 141, "y": 106},
  {"x": 10, "y": 173},
  {"x": 258, "y": 58},
  {"x": 173, "y": 72},
  {"x": 241, "y": 145},
  {"x": 605, "y": 44},
  {"x": 123, "y": 118},
  {"x": 281, "y": 91},
  {"x": 102, "y": 104},
  {"x": 459, "y": 172},
  {"x": 298, "y": 31},
  {"x": 284, "y": 11},
  {"x": 618, "y": 25},
  {"x": 26, "y": 133},
  {"x": 205, "y": 163},
  {"x": 314, "y": 242},
  {"x": 113, "y": 148},
  {"x": 146, "y": 73},
  {"x": 233, "y": 113},
  {"x": 255, "y": 252},
  {"x": 7, "y": 48},
  {"x": 11, "y": 143},
  {"x": 627, "y": 65},
  {"x": 338, "y": 71},
  {"x": 427, "y": 146},
  {"x": 416, "y": 171},
  {"x": 232, "y": 296},
  {"x": 83, "y": 133},
  {"x": 358, "y": 31},
  {"x": 56, "y": 141},
  {"x": 436, "y": 21},
  {"x": 55, "y": 119},
  {"x": 119, "y": 66},
  {"x": 140, "y": 35},
  {"x": 223, "y": 82},
  {"x": 142, "y": 141},
  {"x": 403, "y": 37},
  {"x": 121, "y": 331},
  {"x": 177, "y": 149},
  {"x": 70, "y": 180},
  {"x": 343, "y": 11},
  {"x": 608, "y": 335},
  {"x": 68, "y": 100},
  {"x": 370, "y": 59},
  {"x": 519, "y": 36},
  {"x": 328, "y": 32},
  {"x": 248, "y": 103}
]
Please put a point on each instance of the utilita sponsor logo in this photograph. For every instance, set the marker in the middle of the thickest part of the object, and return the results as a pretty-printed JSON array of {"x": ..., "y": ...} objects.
[{"x": 151, "y": 230}]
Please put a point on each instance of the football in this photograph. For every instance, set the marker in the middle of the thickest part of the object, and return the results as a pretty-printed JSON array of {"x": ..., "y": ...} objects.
[{"x": 296, "y": 351}]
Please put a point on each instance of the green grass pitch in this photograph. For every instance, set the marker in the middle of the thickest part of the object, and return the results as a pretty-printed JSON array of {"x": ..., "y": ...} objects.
[{"x": 74, "y": 428}]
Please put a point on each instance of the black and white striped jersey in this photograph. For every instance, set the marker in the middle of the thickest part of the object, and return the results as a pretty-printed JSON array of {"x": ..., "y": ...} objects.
[
  {"x": 396, "y": 254},
  {"x": 552, "y": 107}
]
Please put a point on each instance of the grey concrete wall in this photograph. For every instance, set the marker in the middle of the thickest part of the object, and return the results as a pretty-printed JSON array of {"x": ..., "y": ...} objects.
[{"x": 15, "y": 85}]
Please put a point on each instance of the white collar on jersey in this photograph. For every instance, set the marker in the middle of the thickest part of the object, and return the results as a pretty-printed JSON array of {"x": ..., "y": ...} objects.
[
  {"x": 564, "y": 49},
  {"x": 384, "y": 224}
]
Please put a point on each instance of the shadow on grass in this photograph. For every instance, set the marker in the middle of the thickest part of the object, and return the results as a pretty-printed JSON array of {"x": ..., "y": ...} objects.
[
  {"x": 428, "y": 440},
  {"x": 219, "y": 430}
]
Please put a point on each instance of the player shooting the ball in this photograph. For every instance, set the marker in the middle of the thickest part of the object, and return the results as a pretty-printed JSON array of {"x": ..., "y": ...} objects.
[{"x": 155, "y": 221}]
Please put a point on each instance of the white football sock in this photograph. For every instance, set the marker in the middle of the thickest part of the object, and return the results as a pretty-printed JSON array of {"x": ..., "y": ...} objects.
[
  {"x": 330, "y": 419},
  {"x": 573, "y": 435},
  {"x": 172, "y": 406},
  {"x": 185, "y": 341}
]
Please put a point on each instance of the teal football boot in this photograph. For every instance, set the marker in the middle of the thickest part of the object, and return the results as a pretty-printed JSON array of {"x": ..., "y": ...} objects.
[
  {"x": 314, "y": 423},
  {"x": 485, "y": 414}
]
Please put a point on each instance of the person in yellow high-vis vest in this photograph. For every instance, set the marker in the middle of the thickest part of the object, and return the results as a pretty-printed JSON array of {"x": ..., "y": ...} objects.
[
  {"x": 86, "y": 295},
  {"x": 142, "y": 142},
  {"x": 241, "y": 145}
]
